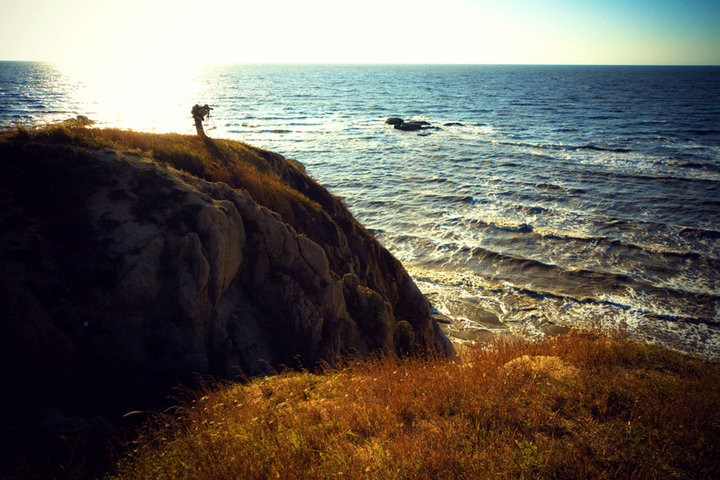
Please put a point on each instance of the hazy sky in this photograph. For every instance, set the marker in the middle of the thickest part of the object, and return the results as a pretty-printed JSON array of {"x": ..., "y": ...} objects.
[{"x": 153, "y": 32}]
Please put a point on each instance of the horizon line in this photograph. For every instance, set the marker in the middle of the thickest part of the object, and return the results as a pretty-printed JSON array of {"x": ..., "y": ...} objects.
[{"x": 229, "y": 63}]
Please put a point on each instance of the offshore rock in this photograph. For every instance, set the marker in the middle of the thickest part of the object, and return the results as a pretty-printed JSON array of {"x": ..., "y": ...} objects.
[
  {"x": 409, "y": 126},
  {"x": 394, "y": 121},
  {"x": 122, "y": 277},
  {"x": 413, "y": 125}
]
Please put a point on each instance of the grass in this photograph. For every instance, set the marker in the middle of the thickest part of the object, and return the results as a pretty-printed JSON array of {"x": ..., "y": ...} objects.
[
  {"x": 235, "y": 163},
  {"x": 589, "y": 406}
]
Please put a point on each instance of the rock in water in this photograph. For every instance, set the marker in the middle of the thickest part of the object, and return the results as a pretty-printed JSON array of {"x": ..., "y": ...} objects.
[
  {"x": 412, "y": 125},
  {"x": 123, "y": 276},
  {"x": 408, "y": 126}
]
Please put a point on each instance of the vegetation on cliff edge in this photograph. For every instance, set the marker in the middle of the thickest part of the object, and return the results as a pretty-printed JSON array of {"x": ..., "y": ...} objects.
[
  {"x": 235, "y": 163},
  {"x": 576, "y": 406}
]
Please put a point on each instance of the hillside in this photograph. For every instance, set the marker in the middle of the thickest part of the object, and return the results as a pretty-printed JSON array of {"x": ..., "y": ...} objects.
[
  {"x": 577, "y": 406},
  {"x": 134, "y": 262}
]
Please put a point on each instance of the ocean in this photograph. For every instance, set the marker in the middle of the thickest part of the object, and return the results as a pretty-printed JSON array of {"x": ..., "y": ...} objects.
[{"x": 541, "y": 197}]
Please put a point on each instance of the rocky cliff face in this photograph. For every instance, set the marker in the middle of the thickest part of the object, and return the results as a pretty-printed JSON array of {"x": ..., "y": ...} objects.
[{"x": 122, "y": 276}]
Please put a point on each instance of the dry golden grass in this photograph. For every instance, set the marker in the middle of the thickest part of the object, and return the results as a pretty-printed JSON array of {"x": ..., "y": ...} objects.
[
  {"x": 593, "y": 407},
  {"x": 235, "y": 163}
]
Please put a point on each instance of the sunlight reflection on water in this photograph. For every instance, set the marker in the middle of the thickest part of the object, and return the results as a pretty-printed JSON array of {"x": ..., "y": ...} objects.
[{"x": 142, "y": 96}]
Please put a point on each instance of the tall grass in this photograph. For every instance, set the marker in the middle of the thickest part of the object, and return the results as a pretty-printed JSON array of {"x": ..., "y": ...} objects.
[{"x": 580, "y": 406}]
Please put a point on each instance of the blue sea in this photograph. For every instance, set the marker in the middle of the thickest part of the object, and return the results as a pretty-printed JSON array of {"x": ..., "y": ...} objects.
[{"x": 542, "y": 196}]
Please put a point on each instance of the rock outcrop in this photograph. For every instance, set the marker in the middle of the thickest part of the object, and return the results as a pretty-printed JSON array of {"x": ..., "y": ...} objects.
[
  {"x": 410, "y": 126},
  {"x": 123, "y": 276}
]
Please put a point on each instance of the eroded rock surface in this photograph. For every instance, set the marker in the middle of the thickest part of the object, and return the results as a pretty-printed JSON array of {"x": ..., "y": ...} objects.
[{"x": 122, "y": 277}]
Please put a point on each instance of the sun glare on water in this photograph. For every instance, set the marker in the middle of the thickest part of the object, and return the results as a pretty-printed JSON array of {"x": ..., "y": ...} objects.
[
  {"x": 140, "y": 93},
  {"x": 137, "y": 71}
]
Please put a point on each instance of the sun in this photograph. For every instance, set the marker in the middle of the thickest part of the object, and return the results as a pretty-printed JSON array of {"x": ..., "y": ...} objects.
[
  {"x": 141, "y": 93},
  {"x": 135, "y": 62}
]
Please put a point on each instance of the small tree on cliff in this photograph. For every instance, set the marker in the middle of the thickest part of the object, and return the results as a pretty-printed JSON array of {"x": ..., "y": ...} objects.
[{"x": 199, "y": 114}]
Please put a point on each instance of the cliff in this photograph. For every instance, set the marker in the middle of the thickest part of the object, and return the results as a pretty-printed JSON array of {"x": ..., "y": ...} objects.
[{"x": 133, "y": 261}]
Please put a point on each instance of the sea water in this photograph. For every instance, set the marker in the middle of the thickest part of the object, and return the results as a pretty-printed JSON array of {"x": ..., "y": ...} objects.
[{"x": 541, "y": 196}]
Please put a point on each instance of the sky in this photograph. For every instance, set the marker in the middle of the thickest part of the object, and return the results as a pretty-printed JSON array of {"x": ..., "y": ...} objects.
[{"x": 167, "y": 34}]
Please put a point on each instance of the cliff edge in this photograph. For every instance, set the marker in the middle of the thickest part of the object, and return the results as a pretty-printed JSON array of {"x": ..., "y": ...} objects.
[{"x": 135, "y": 261}]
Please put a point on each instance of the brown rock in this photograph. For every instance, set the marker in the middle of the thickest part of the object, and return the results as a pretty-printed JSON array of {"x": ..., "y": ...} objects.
[
  {"x": 404, "y": 337},
  {"x": 351, "y": 281}
]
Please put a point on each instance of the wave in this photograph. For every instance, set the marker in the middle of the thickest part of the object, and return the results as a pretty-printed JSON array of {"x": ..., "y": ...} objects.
[
  {"x": 701, "y": 132},
  {"x": 561, "y": 189},
  {"x": 702, "y": 233},
  {"x": 540, "y": 279},
  {"x": 425, "y": 180},
  {"x": 563, "y": 147},
  {"x": 597, "y": 148},
  {"x": 610, "y": 240},
  {"x": 484, "y": 130},
  {"x": 643, "y": 311},
  {"x": 545, "y": 257},
  {"x": 255, "y": 131}
]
